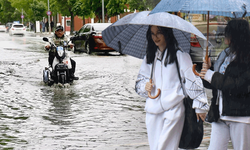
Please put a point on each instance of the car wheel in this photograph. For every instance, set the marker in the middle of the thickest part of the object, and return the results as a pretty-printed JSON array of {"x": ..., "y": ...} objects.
[{"x": 88, "y": 50}]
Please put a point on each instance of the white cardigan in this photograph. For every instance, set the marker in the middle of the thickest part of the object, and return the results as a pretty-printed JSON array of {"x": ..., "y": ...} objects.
[{"x": 166, "y": 79}]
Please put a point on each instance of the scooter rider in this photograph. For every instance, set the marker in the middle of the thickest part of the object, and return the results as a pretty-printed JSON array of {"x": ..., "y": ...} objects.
[{"x": 57, "y": 38}]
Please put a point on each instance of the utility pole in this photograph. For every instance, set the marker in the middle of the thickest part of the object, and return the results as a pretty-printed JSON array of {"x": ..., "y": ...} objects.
[
  {"x": 49, "y": 19},
  {"x": 103, "y": 11},
  {"x": 22, "y": 16}
]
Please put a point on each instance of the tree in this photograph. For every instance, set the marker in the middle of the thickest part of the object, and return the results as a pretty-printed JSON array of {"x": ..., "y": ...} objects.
[
  {"x": 143, "y": 4},
  {"x": 116, "y": 7},
  {"x": 33, "y": 9},
  {"x": 65, "y": 7},
  {"x": 80, "y": 9},
  {"x": 95, "y": 6},
  {"x": 6, "y": 12},
  {"x": 39, "y": 9}
]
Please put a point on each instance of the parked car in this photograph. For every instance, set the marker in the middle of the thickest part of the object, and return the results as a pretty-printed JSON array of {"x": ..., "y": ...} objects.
[
  {"x": 89, "y": 38},
  {"x": 2, "y": 28},
  {"x": 215, "y": 46},
  {"x": 17, "y": 29},
  {"x": 8, "y": 26}
]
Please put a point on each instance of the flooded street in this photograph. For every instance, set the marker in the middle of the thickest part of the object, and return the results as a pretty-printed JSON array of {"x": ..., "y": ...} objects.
[{"x": 100, "y": 111}]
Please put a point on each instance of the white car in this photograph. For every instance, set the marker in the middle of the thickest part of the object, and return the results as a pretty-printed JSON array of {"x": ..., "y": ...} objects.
[
  {"x": 17, "y": 29},
  {"x": 2, "y": 28}
]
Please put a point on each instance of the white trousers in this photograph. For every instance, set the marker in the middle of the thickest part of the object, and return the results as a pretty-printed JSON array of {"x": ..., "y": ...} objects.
[
  {"x": 223, "y": 131},
  {"x": 164, "y": 129}
]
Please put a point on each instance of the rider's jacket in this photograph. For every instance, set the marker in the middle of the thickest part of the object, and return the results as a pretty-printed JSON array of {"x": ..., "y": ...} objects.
[{"x": 59, "y": 41}]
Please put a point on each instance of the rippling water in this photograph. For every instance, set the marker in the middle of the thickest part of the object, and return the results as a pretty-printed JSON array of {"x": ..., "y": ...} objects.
[{"x": 99, "y": 111}]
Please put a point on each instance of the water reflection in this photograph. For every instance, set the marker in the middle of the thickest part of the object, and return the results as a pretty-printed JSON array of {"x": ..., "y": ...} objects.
[{"x": 59, "y": 112}]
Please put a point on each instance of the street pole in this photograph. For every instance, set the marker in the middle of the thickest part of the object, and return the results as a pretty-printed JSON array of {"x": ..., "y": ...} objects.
[
  {"x": 103, "y": 11},
  {"x": 22, "y": 16},
  {"x": 49, "y": 19}
]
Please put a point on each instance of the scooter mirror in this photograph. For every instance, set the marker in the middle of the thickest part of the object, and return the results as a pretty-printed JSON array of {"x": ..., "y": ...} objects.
[{"x": 45, "y": 39}]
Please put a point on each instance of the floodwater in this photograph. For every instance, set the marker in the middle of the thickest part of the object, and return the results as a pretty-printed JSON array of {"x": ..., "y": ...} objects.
[{"x": 100, "y": 111}]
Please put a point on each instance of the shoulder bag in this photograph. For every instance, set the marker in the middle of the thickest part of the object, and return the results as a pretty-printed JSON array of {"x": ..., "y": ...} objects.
[{"x": 192, "y": 133}]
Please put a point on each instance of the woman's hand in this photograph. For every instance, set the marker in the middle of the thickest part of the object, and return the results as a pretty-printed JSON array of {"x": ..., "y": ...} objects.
[
  {"x": 201, "y": 116},
  {"x": 149, "y": 86},
  {"x": 205, "y": 66}
]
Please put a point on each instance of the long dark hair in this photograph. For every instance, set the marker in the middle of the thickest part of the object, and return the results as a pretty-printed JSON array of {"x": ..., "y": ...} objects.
[
  {"x": 172, "y": 46},
  {"x": 238, "y": 32}
]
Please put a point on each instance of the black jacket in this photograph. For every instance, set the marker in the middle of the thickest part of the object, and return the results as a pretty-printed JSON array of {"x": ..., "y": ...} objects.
[{"x": 235, "y": 87}]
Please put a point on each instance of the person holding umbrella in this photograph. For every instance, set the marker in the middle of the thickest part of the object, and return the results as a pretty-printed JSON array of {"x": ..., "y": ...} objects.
[
  {"x": 230, "y": 81},
  {"x": 165, "y": 114}
]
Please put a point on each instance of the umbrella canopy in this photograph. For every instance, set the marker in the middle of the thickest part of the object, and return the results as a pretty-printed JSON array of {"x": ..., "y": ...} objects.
[
  {"x": 128, "y": 35},
  {"x": 229, "y": 8}
]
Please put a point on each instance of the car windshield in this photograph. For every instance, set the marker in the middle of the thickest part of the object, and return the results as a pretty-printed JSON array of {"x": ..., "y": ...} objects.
[
  {"x": 18, "y": 26},
  {"x": 100, "y": 28}
]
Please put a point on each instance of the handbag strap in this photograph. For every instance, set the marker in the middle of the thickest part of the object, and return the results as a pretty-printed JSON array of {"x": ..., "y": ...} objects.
[{"x": 178, "y": 70}]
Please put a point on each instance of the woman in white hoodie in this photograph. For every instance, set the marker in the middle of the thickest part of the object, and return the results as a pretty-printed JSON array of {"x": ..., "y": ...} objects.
[{"x": 165, "y": 114}]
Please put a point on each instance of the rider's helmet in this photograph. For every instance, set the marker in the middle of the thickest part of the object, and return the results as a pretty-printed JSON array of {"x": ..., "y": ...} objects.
[{"x": 59, "y": 28}]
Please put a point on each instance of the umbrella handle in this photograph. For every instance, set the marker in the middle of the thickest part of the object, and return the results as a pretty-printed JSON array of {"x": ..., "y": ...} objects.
[
  {"x": 194, "y": 66},
  {"x": 158, "y": 93},
  {"x": 194, "y": 70},
  {"x": 206, "y": 56}
]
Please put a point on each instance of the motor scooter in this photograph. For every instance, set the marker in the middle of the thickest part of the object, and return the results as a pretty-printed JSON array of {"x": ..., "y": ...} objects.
[{"x": 59, "y": 72}]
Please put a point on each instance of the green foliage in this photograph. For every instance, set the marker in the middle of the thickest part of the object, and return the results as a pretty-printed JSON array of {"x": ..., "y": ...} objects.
[
  {"x": 142, "y": 5},
  {"x": 6, "y": 12},
  {"x": 39, "y": 9},
  {"x": 95, "y": 6},
  {"x": 32, "y": 9},
  {"x": 80, "y": 8},
  {"x": 115, "y": 7}
]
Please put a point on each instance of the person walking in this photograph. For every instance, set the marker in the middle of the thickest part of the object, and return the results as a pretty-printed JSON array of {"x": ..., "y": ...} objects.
[
  {"x": 165, "y": 114},
  {"x": 47, "y": 26},
  {"x": 52, "y": 25},
  {"x": 230, "y": 82}
]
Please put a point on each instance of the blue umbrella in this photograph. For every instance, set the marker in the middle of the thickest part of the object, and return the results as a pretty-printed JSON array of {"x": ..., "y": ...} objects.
[{"x": 229, "y": 8}]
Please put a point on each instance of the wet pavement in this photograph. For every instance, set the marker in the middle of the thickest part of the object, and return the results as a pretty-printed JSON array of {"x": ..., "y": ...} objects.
[{"x": 100, "y": 111}]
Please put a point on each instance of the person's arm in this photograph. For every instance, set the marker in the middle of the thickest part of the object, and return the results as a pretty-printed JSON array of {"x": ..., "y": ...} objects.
[
  {"x": 142, "y": 79},
  {"x": 233, "y": 85},
  {"x": 193, "y": 84},
  {"x": 236, "y": 85},
  {"x": 71, "y": 45}
]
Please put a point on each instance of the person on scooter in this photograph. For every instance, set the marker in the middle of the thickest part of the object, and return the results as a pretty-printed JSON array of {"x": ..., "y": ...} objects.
[{"x": 57, "y": 38}]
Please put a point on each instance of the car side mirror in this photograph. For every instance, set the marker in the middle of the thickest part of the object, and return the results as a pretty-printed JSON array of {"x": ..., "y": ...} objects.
[{"x": 45, "y": 39}]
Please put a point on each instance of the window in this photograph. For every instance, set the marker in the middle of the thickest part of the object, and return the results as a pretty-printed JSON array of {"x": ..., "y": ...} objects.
[
  {"x": 87, "y": 28},
  {"x": 68, "y": 22}
]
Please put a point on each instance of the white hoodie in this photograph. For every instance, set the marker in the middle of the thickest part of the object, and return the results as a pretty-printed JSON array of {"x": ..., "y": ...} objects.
[{"x": 166, "y": 79}]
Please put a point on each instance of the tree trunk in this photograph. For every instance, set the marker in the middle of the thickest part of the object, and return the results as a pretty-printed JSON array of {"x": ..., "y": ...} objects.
[
  {"x": 83, "y": 20},
  {"x": 72, "y": 23}
]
